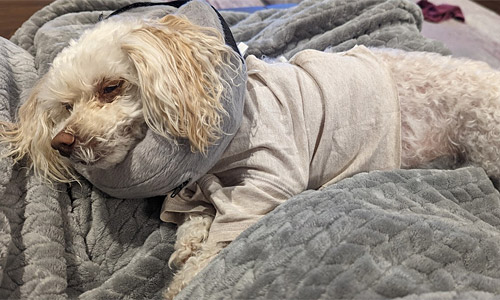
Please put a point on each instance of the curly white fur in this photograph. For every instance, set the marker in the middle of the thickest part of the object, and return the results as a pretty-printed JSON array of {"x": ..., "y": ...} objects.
[
  {"x": 125, "y": 75},
  {"x": 101, "y": 91},
  {"x": 449, "y": 107}
]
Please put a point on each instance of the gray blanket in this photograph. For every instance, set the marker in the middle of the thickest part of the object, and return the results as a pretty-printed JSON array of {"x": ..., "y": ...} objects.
[
  {"x": 392, "y": 234},
  {"x": 429, "y": 233}
]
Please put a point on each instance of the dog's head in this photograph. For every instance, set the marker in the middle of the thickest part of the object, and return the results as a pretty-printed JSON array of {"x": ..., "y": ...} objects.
[{"x": 105, "y": 90}]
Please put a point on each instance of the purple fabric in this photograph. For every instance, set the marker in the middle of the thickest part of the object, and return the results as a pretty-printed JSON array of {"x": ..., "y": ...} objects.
[{"x": 437, "y": 13}]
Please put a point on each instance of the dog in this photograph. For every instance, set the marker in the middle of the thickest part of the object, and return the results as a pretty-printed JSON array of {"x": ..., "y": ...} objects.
[{"x": 91, "y": 109}]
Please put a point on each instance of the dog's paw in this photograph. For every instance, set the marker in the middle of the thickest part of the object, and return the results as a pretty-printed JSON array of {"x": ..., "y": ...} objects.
[
  {"x": 184, "y": 250},
  {"x": 193, "y": 265},
  {"x": 190, "y": 236},
  {"x": 172, "y": 291},
  {"x": 189, "y": 269}
]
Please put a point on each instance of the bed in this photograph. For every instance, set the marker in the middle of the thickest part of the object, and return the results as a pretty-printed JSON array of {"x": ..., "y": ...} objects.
[{"x": 415, "y": 234}]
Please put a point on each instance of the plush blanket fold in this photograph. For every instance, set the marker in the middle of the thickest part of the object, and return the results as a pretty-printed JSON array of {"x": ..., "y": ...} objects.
[
  {"x": 417, "y": 234},
  {"x": 392, "y": 234}
]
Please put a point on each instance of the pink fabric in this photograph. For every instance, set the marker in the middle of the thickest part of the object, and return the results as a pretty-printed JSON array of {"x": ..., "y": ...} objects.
[{"x": 437, "y": 13}]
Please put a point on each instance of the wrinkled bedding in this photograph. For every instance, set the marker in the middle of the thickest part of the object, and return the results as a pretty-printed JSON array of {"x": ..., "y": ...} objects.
[{"x": 376, "y": 235}]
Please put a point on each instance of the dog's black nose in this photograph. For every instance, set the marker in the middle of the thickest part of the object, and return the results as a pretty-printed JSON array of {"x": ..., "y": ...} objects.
[{"x": 63, "y": 142}]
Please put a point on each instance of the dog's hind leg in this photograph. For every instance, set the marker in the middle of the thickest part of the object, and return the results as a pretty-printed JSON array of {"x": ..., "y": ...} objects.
[
  {"x": 478, "y": 137},
  {"x": 449, "y": 107},
  {"x": 464, "y": 125}
]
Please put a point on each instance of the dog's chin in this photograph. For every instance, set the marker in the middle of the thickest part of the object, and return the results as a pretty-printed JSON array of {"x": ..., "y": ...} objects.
[{"x": 99, "y": 160}]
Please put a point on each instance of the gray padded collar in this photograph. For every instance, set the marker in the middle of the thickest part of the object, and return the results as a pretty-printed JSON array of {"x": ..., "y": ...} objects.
[{"x": 156, "y": 166}]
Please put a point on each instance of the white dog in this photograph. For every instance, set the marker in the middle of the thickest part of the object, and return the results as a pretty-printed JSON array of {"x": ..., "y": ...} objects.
[{"x": 91, "y": 109}]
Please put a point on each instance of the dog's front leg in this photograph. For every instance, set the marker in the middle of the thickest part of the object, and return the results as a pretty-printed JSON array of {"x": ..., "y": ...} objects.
[
  {"x": 193, "y": 265},
  {"x": 190, "y": 236}
]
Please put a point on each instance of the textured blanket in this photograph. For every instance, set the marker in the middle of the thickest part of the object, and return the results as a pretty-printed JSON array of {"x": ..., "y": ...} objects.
[
  {"x": 393, "y": 234},
  {"x": 428, "y": 233}
]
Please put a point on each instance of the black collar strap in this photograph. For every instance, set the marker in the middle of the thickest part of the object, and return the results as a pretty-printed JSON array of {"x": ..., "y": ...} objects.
[
  {"x": 228, "y": 36},
  {"x": 179, "y": 188}
]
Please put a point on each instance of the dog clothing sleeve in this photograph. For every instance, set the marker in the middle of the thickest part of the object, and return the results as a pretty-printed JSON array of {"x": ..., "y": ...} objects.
[{"x": 311, "y": 122}]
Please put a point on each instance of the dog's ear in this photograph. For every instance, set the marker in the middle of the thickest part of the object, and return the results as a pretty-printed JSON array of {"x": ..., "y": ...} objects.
[
  {"x": 31, "y": 135},
  {"x": 178, "y": 65}
]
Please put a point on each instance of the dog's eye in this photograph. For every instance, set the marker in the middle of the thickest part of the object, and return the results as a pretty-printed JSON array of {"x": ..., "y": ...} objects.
[
  {"x": 68, "y": 106},
  {"x": 110, "y": 89}
]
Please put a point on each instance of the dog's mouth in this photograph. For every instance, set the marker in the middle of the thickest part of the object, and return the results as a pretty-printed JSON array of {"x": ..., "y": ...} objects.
[
  {"x": 84, "y": 162},
  {"x": 87, "y": 156},
  {"x": 100, "y": 155},
  {"x": 92, "y": 152}
]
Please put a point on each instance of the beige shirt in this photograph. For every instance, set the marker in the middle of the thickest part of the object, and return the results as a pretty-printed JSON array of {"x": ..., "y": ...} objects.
[{"x": 318, "y": 119}]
